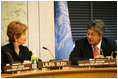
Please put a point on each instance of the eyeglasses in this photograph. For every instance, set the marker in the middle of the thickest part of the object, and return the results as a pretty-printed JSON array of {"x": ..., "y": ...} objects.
[{"x": 92, "y": 34}]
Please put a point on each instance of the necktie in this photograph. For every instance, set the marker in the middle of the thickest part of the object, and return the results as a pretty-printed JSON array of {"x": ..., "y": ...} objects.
[{"x": 95, "y": 51}]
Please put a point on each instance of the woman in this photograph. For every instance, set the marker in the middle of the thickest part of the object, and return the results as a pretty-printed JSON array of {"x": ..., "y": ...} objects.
[{"x": 15, "y": 51}]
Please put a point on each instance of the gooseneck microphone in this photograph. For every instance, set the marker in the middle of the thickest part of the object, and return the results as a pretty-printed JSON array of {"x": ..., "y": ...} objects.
[
  {"x": 49, "y": 51},
  {"x": 9, "y": 57},
  {"x": 12, "y": 62}
]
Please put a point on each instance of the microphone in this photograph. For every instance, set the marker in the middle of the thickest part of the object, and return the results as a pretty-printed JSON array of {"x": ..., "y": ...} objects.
[
  {"x": 101, "y": 52},
  {"x": 9, "y": 57},
  {"x": 45, "y": 48},
  {"x": 49, "y": 51},
  {"x": 114, "y": 54}
]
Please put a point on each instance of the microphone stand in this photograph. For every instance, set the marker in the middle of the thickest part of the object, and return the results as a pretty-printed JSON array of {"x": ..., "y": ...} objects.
[
  {"x": 52, "y": 59},
  {"x": 51, "y": 53}
]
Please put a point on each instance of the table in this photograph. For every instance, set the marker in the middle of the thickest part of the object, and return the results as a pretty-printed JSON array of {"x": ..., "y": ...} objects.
[{"x": 69, "y": 73}]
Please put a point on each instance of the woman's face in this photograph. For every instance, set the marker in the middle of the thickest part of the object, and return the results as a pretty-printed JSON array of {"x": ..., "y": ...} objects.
[{"x": 22, "y": 39}]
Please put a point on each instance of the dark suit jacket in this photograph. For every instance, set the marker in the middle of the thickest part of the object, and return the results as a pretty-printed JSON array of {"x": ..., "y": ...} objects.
[
  {"x": 24, "y": 54},
  {"x": 83, "y": 50}
]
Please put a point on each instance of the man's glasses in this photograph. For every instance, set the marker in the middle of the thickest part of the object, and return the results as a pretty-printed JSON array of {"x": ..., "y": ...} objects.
[{"x": 92, "y": 34}]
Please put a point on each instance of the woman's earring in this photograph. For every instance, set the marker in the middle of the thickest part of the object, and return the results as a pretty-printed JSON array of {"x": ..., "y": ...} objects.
[{"x": 16, "y": 40}]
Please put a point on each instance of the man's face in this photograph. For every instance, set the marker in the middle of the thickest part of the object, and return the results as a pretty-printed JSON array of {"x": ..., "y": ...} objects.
[{"x": 93, "y": 37}]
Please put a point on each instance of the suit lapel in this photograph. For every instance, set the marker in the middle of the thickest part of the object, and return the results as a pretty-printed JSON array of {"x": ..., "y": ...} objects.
[
  {"x": 104, "y": 47},
  {"x": 89, "y": 50}
]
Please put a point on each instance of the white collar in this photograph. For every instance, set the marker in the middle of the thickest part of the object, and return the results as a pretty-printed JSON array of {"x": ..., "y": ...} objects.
[{"x": 98, "y": 46}]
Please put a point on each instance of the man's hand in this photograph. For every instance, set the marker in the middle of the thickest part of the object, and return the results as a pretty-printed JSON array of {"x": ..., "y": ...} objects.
[{"x": 99, "y": 56}]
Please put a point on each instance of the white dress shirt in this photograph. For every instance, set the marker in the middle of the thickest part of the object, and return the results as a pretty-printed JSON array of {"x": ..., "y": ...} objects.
[{"x": 98, "y": 46}]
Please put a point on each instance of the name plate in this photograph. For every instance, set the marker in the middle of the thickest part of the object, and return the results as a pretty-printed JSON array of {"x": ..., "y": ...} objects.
[
  {"x": 15, "y": 68},
  {"x": 98, "y": 63},
  {"x": 51, "y": 64}
]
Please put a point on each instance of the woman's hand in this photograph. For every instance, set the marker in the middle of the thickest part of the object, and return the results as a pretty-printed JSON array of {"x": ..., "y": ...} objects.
[{"x": 26, "y": 62}]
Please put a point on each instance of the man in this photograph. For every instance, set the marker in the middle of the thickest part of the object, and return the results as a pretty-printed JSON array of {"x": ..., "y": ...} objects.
[{"x": 94, "y": 46}]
